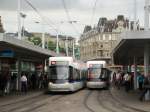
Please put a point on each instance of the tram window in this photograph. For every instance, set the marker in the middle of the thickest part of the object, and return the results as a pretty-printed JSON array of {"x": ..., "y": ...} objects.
[
  {"x": 76, "y": 74},
  {"x": 104, "y": 74},
  {"x": 59, "y": 72},
  {"x": 71, "y": 72}
]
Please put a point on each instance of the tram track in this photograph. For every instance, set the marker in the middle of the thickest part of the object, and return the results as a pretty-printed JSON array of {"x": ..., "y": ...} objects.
[
  {"x": 18, "y": 101},
  {"x": 29, "y": 104},
  {"x": 114, "y": 104},
  {"x": 102, "y": 104},
  {"x": 20, "y": 104},
  {"x": 124, "y": 105},
  {"x": 32, "y": 109},
  {"x": 86, "y": 100}
]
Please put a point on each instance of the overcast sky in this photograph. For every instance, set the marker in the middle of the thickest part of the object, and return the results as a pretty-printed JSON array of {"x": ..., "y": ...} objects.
[{"x": 53, "y": 12}]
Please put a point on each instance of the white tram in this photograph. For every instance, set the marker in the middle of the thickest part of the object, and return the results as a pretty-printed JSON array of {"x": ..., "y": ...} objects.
[
  {"x": 98, "y": 74},
  {"x": 65, "y": 74}
]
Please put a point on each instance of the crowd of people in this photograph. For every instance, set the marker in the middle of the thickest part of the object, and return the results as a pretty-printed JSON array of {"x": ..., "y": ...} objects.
[
  {"x": 123, "y": 79},
  {"x": 126, "y": 80},
  {"x": 28, "y": 80}
]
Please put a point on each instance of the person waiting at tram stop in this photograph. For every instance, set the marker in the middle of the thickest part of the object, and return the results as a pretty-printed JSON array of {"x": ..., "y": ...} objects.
[
  {"x": 41, "y": 81},
  {"x": 118, "y": 79},
  {"x": 127, "y": 81},
  {"x": 4, "y": 82},
  {"x": 140, "y": 79},
  {"x": 146, "y": 87},
  {"x": 23, "y": 83}
]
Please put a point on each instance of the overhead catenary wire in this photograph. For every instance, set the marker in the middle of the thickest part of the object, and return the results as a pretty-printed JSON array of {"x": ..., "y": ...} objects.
[
  {"x": 41, "y": 16},
  {"x": 68, "y": 17}
]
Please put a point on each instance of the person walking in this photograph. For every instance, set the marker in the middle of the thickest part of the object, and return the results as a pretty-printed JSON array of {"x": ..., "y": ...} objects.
[{"x": 23, "y": 83}]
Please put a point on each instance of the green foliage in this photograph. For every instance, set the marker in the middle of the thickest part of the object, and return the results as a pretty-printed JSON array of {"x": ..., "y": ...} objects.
[
  {"x": 52, "y": 46},
  {"x": 62, "y": 50},
  {"x": 35, "y": 40}
]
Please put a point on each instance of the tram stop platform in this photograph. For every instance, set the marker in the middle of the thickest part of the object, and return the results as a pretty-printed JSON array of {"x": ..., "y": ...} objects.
[
  {"x": 16, "y": 97},
  {"x": 130, "y": 99}
]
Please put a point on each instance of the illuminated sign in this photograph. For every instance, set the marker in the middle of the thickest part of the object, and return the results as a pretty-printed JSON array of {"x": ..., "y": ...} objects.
[
  {"x": 59, "y": 62},
  {"x": 95, "y": 65}
]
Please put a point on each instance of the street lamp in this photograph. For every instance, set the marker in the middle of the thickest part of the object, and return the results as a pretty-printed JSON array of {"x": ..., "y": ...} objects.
[
  {"x": 23, "y": 16},
  {"x": 19, "y": 19},
  {"x": 43, "y": 35},
  {"x": 57, "y": 37}
]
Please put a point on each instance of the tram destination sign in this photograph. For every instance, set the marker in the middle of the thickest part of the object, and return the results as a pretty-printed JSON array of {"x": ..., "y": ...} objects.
[{"x": 59, "y": 63}]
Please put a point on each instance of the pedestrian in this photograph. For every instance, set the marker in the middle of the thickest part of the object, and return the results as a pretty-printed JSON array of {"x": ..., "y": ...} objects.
[
  {"x": 23, "y": 83},
  {"x": 118, "y": 79},
  {"x": 33, "y": 80},
  {"x": 41, "y": 81},
  {"x": 127, "y": 81},
  {"x": 140, "y": 79},
  {"x": 13, "y": 81},
  {"x": 145, "y": 87},
  {"x": 1, "y": 84}
]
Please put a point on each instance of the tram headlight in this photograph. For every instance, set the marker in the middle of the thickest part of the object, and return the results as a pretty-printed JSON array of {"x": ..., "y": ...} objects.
[
  {"x": 66, "y": 82},
  {"x": 50, "y": 83}
]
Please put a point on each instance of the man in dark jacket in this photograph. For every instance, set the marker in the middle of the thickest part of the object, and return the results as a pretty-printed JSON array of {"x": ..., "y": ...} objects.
[{"x": 146, "y": 87}]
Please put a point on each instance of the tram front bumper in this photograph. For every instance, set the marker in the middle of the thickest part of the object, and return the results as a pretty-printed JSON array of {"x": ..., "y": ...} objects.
[
  {"x": 60, "y": 87},
  {"x": 92, "y": 84}
]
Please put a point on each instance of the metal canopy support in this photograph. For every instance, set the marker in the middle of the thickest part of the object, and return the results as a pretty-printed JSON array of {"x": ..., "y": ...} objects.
[
  {"x": 146, "y": 59},
  {"x": 135, "y": 73},
  {"x": 147, "y": 10},
  {"x": 19, "y": 73}
]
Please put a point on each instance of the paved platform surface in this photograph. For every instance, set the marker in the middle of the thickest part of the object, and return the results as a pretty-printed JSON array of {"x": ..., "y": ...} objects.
[
  {"x": 15, "y": 97},
  {"x": 130, "y": 99}
]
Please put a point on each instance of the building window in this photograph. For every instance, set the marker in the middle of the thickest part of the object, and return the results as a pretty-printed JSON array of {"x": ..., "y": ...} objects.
[
  {"x": 101, "y": 46},
  {"x": 104, "y": 37},
  {"x": 110, "y": 37}
]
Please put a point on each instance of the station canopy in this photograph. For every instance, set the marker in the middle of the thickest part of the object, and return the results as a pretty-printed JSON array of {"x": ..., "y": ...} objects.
[
  {"x": 130, "y": 45},
  {"x": 20, "y": 48}
]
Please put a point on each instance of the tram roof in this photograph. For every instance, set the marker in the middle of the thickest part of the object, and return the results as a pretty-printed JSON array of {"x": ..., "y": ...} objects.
[
  {"x": 96, "y": 62},
  {"x": 131, "y": 45},
  {"x": 23, "y": 46},
  {"x": 61, "y": 58}
]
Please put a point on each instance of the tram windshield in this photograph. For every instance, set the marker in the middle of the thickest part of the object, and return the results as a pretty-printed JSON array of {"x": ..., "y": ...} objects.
[
  {"x": 59, "y": 72},
  {"x": 94, "y": 73}
]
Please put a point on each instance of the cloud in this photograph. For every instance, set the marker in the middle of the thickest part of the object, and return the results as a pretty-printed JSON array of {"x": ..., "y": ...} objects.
[
  {"x": 41, "y": 4},
  {"x": 80, "y": 10}
]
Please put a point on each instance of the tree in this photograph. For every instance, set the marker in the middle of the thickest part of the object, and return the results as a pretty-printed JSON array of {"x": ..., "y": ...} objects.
[
  {"x": 35, "y": 40},
  {"x": 52, "y": 46}
]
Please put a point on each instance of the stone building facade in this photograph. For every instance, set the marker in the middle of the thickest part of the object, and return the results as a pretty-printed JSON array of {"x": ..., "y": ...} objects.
[
  {"x": 97, "y": 46},
  {"x": 98, "y": 43}
]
